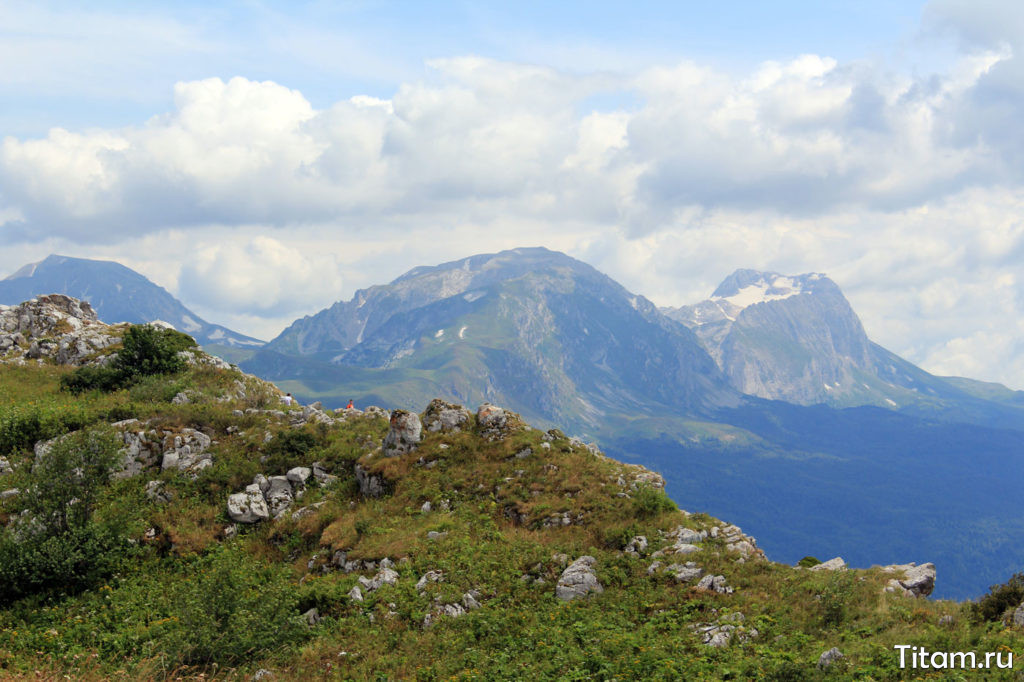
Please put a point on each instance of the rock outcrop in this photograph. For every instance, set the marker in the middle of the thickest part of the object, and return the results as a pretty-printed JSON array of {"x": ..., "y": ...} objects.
[
  {"x": 444, "y": 417},
  {"x": 55, "y": 327},
  {"x": 578, "y": 580},
  {"x": 404, "y": 434},
  {"x": 917, "y": 581}
]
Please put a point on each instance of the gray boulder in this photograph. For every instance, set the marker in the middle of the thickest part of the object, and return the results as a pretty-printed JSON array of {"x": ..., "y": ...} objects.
[
  {"x": 279, "y": 495},
  {"x": 917, "y": 581},
  {"x": 404, "y": 434},
  {"x": 299, "y": 475},
  {"x": 248, "y": 507},
  {"x": 445, "y": 417},
  {"x": 714, "y": 583},
  {"x": 370, "y": 485},
  {"x": 836, "y": 564},
  {"x": 578, "y": 580},
  {"x": 829, "y": 657}
]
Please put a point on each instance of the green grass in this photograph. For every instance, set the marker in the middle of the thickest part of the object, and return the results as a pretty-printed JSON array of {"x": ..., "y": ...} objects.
[{"x": 191, "y": 603}]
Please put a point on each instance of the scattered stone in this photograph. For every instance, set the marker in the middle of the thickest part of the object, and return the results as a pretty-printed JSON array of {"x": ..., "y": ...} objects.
[
  {"x": 653, "y": 568},
  {"x": 450, "y": 610},
  {"x": 370, "y": 485},
  {"x": 386, "y": 576},
  {"x": 247, "y": 507},
  {"x": 5, "y": 467},
  {"x": 684, "y": 573},
  {"x": 355, "y": 594},
  {"x": 312, "y": 617},
  {"x": 436, "y": 535},
  {"x": 719, "y": 635},
  {"x": 429, "y": 577},
  {"x": 9, "y": 493},
  {"x": 471, "y": 600},
  {"x": 262, "y": 674},
  {"x": 918, "y": 581},
  {"x": 947, "y": 619},
  {"x": 714, "y": 583},
  {"x": 155, "y": 492},
  {"x": 637, "y": 545},
  {"x": 836, "y": 564},
  {"x": 578, "y": 580},
  {"x": 829, "y": 657},
  {"x": 404, "y": 434},
  {"x": 445, "y": 417},
  {"x": 426, "y": 507}
]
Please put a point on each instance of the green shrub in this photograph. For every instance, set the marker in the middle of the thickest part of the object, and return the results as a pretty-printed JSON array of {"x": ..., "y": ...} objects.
[
  {"x": 91, "y": 378},
  {"x": 835, "y": 598},
  {"x": 230, "y": 608},
  {"x": 999, "y": 599},
  {"x": 67, "y": 562},
  {"x": 808, "y": 561},
  {"x": 148, "y": 350},
  {"x": 289, "y": 449},
  {"x": 68, "y": 478},
  {"x": 57, "y": 545},
  {"x": 649, "y": 502}
]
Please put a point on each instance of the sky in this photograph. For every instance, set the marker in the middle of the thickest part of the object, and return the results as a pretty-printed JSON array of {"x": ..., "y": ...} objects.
[{"x": 262, "y": 160}]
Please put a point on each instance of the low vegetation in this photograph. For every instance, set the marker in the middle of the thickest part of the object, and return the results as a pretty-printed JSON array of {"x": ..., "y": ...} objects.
[{"x": 146, "y": 577}]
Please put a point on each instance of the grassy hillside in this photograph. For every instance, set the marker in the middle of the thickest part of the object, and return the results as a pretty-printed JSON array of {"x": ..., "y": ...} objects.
[{"x": 157, "y": 582}]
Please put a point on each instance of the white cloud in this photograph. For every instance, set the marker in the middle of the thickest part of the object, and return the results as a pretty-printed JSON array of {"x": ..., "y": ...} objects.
[
  {"x": 263, "y": 207},
  {"x": 260, "y": 276}
]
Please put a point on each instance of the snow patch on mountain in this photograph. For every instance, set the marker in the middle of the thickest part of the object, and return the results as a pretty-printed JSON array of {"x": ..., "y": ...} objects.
[{"x": 769, "y": 287}]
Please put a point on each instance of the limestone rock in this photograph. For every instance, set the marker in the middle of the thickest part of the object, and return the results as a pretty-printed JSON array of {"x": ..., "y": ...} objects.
[
  {"x": 279, "y": 495},
  {"x": 918, "y": 581},
  {"x": 299, "y": 475},
  {"x": 714, "y": 583},
  {"x": 829, "y": 657},
  {"x": 247, "y": 507},
  {"x": 404, "y": 434},
  {"x": 370, "y": 485},
  {"x": 445, "y": 417},
  {"x": 836, "y": 564},
  {"x": 578, "y": 580}
]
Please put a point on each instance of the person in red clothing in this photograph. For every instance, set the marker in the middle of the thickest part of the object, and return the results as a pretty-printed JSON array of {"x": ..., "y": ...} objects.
[{"x": 351, "y": 405}]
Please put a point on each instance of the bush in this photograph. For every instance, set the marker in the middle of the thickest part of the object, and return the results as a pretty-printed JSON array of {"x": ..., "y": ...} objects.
[
  {"x": 1000, "y": 599},
  {"x": 649, "y": 502},
  {"x": 230, "y": 609},
  {"x": 808, "y": 561},
  {"x": 835, "y": 598},
  {"x": 57, "y": 545},
  {"x": 146, "y": 351},
  {"x": 68, "y": 478}
]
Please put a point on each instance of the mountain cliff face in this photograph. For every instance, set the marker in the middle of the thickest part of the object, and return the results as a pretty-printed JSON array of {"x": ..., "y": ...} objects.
[
  {"x": 786, "y": 338},
  {"x": 796, "y": 338},
  {"x": 532, "y": 328},
  {"x": 117, "y": 293}
]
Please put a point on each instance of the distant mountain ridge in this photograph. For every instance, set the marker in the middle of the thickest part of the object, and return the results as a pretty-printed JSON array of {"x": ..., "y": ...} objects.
[
  {"x": 529, "y": 327},
  {"x": 118, "y": 294},
  {"x": 797, "y": 339}
]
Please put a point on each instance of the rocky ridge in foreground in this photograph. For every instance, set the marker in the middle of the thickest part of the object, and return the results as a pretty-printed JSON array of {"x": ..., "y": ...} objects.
[{"x": 355, "y": 543}]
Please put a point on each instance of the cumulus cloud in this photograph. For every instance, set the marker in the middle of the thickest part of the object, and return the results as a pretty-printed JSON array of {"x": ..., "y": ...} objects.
[
  {"x": 905, "y": 189},
  {"x": 261, "y": 276},
  {"x": 807, "y": 137}
]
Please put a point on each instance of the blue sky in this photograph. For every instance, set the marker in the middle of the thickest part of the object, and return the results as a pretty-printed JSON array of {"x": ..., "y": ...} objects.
[{"x": 262, "y": 160}]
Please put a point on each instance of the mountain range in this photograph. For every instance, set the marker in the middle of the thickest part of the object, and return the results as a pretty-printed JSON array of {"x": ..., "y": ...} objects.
[
  {"x": 117, "y": 293},
  {"x": 766, "y": 403}
]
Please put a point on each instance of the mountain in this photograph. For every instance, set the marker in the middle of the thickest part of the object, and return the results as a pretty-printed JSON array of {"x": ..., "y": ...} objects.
[
  {"x": 557, "y": 341},
  {"x": 797, "y": 339},
  {"x": 203, "y": 529},
  {"x": 117, "y": 293},
  {"x": 531, "y": 328}
]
